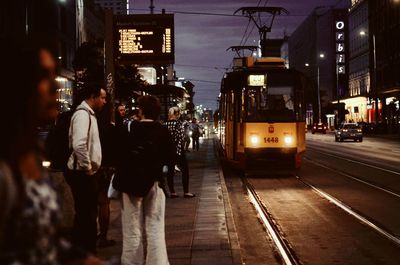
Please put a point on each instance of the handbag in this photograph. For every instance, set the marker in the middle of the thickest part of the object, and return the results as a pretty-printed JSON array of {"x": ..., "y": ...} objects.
[{"x": 113, "y": 193}]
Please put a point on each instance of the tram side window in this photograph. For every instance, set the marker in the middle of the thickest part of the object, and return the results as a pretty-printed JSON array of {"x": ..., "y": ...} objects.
[{"x": 300, "y": 110}]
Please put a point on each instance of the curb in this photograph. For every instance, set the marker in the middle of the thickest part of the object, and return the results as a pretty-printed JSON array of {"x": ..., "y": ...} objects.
[{"x": 230, "y": 222}]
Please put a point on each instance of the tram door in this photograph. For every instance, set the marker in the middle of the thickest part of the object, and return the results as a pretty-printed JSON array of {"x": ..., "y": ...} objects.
[{"x": 229, "y": 126}]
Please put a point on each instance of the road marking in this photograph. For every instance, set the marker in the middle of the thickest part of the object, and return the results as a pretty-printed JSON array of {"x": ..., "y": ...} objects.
[
  {"x": 354, "y": 178},
  {"x": 348, "y": 209},
  {"x": 283, "y": 249},
  {"x": 358, "y": 162}
]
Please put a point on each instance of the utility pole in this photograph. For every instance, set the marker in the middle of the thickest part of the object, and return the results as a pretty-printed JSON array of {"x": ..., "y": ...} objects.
[
  {"x": 254, "y": 14},
  {"x": 151, "y": 7}
]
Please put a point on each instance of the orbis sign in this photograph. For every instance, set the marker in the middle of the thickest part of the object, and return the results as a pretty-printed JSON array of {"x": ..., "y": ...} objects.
[{"x": 340, "y": 47}]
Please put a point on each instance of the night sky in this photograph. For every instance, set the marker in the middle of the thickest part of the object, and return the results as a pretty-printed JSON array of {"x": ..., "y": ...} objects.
[{"x": 201, "y": 41}]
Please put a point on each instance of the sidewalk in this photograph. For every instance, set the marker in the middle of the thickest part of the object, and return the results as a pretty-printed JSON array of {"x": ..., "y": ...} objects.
[{"x": 199, "y": 230}]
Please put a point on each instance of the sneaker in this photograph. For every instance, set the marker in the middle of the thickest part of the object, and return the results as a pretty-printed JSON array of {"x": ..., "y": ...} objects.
[
  {"x": 189, "y": 195},
  {"x": 177, "y": 168}
]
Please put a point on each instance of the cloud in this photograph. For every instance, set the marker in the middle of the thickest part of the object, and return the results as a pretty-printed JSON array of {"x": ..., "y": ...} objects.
[{"x": 202, "y": 40}]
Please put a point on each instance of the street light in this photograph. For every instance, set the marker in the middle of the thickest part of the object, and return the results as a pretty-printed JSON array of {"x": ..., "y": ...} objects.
[{"x": 321, "y": 56}]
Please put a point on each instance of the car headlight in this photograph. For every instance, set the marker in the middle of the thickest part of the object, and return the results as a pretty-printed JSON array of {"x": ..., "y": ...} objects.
[
  {"x": 359, "y": 130},
  {"x": 288, "y": 139},
  {"x": 254, "y": 139},
  {"x": 338, "y": 132}
]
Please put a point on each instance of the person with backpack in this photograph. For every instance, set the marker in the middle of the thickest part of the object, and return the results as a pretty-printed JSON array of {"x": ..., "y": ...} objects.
[
  {"x": 139, "y": 171},
  {"x": 83, "y": 163}
]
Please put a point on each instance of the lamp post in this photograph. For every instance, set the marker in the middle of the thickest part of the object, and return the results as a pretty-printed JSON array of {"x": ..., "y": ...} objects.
[
  {"x": 321, "y": 56},
  {"x": 364, "y": 33}
]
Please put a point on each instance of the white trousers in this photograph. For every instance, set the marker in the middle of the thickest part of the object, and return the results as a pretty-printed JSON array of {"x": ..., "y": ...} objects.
[{"x": 143, "y": 229}]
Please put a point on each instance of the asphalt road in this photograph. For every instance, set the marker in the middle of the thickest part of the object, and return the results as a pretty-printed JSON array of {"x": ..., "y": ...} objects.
[{"x": 343, "y": 206}]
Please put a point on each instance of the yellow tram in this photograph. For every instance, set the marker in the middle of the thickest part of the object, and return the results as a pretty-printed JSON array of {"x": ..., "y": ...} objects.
[{"x": 262, "y": 115}]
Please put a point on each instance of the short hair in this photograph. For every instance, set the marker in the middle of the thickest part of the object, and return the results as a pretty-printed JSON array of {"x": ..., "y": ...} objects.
[
  {"x": 150, "y": 107},
  {"x": 91, "y": 89}
]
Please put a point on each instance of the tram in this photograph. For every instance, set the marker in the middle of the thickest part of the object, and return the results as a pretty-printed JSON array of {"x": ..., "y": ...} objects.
[{"x": 262, "y": 115}]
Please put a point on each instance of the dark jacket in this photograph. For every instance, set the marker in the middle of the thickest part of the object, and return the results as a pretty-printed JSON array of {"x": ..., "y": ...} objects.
[{"x": 141, "y": 157}]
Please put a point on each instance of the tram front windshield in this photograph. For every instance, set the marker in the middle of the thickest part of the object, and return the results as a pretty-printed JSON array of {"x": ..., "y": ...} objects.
[{"x": 269, "y": 104}]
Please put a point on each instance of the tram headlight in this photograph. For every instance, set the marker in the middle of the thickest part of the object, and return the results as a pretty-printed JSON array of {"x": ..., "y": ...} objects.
[
  {"x": 254, "y": 139},
  {"x": 46, "y": 164},
  {"x": 288, "y": 139}
]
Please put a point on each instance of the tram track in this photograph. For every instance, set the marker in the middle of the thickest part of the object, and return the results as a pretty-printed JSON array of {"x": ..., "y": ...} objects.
[
  {"x": 369, "y": 165},
  {"x": 282, "y": 241},
  {"x": 362, "y": 218},
  {"x": 283, "y": 247},
  {"x": 349, "y": 176}
]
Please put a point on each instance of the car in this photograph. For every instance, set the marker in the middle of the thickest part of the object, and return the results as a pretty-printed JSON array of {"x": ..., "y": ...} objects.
[
  {"x": 349, "y": 131},
  {"x": 319, "y": 127},
  {"x": 367, "y": 128}
]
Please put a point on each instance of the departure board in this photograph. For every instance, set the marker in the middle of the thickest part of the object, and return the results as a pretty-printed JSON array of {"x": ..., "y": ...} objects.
[{"x": 144, "y": 39}]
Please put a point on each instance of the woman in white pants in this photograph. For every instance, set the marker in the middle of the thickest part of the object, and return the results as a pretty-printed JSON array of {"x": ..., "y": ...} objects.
[
  {"x": 143, "y": 217},
  {"x": 147, "y": 147}
]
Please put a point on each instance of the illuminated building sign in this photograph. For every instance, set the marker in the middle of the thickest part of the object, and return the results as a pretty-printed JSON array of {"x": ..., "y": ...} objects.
[
  {"x": 340, "y": 47},
  {"x": 144, "y": 39},
  {"x": 256, "y": 80}
]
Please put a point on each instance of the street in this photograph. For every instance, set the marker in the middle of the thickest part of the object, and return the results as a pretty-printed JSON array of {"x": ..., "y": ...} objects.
[{"x": 340, "y": 208}]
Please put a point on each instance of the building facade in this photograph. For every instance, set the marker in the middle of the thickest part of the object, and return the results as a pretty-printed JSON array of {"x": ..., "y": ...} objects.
[
  {"x": 119, "y": 7},
  {"x": 358, "y": 107},
  {"x": 318, "y": 48},
  {"x": 384, "y": 37}
]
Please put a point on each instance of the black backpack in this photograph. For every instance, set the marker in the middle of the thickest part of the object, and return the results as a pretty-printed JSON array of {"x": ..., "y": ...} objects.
[
  {"x": 57, "y": 146},
  {"x": 57, "y": 142},
  {"x": 139, "y": 165}
]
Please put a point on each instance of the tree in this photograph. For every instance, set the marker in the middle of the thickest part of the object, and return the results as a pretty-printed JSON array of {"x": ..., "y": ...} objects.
[
  {"x": 88, "y": 65},
  {"x": 127, "y": 80}
]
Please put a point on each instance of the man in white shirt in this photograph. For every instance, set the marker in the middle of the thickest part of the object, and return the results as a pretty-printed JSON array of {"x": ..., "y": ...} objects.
[{"x": 83, "y": 164}]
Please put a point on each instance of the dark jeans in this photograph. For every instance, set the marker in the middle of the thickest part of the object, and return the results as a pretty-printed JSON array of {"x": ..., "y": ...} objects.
[
  {"x": 195, "y": 141},
  {"x": 85, "y": 192},
  {"x": 183, "y": 165},
  {"x": 103, "y": 178}
]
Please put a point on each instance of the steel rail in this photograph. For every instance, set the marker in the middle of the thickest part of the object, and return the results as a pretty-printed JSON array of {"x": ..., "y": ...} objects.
[
  {"x": 354, "y": 214},
  {"x": 354, "y": 178},
  {"x": 283, "y": 248},
  {"x": 317, "y": 150}
]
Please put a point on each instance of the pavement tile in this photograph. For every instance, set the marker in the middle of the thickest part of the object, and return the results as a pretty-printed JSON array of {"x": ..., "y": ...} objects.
[{"x": 196, "y": 229}]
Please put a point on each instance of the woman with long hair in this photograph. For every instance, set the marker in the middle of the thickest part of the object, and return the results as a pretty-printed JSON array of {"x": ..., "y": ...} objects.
[{"x": 29, "y": 210}]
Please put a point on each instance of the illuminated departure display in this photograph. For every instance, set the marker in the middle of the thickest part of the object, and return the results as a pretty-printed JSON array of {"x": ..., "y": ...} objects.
[
  {"x": 147, "y": 39},
  {"x": 256, "y": 80}
]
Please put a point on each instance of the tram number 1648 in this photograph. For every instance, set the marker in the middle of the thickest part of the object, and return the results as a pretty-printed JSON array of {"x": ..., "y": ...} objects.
[{"x": 271, "y": 140}]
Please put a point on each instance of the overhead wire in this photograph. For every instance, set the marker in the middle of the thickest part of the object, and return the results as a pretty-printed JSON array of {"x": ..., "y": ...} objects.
[{"x": 203, "y": 13}]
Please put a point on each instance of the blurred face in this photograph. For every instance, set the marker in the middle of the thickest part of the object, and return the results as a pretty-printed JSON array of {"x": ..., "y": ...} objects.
[
  {"x": 100, "y": 101},
  {"x": 47, "y": 106},
  {"x": 122, "y": 111},
  {"x": 47, "y": 61}
]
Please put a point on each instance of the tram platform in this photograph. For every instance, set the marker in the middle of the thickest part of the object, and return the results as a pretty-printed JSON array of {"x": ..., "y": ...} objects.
[{"x": 199, "y": 230}]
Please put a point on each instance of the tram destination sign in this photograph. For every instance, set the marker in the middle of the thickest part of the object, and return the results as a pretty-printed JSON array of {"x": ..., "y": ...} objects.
[{"x": 144, "y": 39}]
